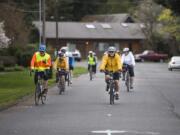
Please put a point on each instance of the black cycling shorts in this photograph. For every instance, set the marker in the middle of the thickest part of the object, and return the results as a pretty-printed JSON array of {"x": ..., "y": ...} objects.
[
  {"x": 71, "y": 67},
  {"x": 116, "y": 75},
  {"x": 131, "y": 70},
  {"x": 42, "y": 75}
]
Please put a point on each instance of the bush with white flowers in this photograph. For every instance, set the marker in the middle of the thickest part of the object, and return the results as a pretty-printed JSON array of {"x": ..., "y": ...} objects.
[{"x": 4, "y": 41}]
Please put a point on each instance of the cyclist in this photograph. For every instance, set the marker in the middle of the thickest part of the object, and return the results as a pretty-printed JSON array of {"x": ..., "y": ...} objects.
[
  {"x": 128, "y": 59},
  {"x": 91, "y": 61},
  {"x": 60, "y": 63},
  {"x": 41, "y": 63},
  {"x": 111, "y": 62},
  {"x": 71, "y": 65}
]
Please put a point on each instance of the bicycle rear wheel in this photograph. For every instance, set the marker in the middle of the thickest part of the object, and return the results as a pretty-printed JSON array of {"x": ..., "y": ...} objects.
[
  {"x": 68, "y": 79},
  {"x": 127, "y": 81}
]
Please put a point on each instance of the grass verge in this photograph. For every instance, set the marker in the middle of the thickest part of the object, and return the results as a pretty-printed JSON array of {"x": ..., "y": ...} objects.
[{"x": 15, "y": 85}]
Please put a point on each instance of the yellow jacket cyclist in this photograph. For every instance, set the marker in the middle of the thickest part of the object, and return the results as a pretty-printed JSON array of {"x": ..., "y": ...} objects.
[
  {"x": 111, "y": 62},
  {"x": 41, "y": 63},
  {"x": 61, "y": 64}
]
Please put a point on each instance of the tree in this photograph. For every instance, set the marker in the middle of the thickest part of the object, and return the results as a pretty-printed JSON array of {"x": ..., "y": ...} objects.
[
  {"x": 4, "y": 41},
  {"x": 172, "y": 4},
  {"x": 147, "y": 13},
  {"x": 15, "y": 26},
  {"x": 170, "y": 28}
]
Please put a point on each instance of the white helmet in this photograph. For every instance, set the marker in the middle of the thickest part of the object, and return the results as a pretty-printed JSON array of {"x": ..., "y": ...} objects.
[
  {"x": 111, "y": 49},
  {"x": 90, "y": 52},
  {"x": 126, "y": 49}
]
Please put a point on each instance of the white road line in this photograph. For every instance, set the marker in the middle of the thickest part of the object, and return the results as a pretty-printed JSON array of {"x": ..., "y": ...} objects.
[{"x": 110, "y": 132}]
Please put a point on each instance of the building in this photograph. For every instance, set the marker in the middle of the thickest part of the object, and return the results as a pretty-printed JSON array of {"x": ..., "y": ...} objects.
[
  {"x": 95, "y": 36},
  {"x": 109, "y": 18}
]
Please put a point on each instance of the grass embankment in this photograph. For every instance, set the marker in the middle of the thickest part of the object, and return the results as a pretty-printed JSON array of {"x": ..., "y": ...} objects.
[{"x": 16, "y": 85}]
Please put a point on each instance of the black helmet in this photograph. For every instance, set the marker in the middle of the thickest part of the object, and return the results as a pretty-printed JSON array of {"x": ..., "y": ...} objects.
[{"x": 61, "y": 54}]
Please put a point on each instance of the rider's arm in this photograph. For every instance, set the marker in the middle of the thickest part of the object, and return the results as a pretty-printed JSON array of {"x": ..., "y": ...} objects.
[
  {"x": 104, "y": 62},
  {"x": 119, "y": 63},
  {"x": 49, "y": 62},
  {"x": 66, "y": 64},
  {"x": 132, "y": 59},
  {"x": 55, "y": 63},
  {"x": 33, "y": 61}
]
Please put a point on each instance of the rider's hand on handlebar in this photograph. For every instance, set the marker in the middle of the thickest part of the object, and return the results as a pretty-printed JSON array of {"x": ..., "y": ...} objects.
[{"x": 101, "y": 71}]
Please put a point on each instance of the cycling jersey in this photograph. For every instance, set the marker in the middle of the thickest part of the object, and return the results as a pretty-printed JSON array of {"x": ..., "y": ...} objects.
[
  {"x": 61, "y": 63},
  {"x": 91, "y": 60},
  {"x": 128, "y": 59},
  {"x": 111, "y": 63},
  {"x": 39, "y": 62}
]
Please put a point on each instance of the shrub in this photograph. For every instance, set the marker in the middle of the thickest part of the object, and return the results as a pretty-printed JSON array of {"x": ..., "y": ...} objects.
[{"x": 8, "y": 61}]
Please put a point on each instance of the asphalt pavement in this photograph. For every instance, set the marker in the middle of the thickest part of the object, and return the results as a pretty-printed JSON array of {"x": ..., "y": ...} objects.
[{"x": 152, "y": 108}]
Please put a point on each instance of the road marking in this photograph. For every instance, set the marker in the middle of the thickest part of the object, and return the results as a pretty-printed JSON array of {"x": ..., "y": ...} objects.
[
  {"x": 110, "y": 132},
  {"x": 109, "y": 115}
]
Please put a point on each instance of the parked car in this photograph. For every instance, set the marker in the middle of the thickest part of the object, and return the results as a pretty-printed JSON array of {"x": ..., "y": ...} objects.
[
  {"x": 76, "y": 53},
  {"x": 149, "y": 55},
  {"x": 174, "y": 63}
]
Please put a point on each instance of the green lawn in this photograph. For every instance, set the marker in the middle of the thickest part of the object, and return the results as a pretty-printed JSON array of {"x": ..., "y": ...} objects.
[{"x": 15, "y": 85}]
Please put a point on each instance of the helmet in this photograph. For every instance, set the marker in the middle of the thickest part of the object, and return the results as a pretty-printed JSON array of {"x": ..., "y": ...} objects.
[
  {"x": 61, "y": 54},
  {"x": 63, "y": 50},
  {"x": 90, "y": 52},
  {"x": 111, "y": 49},
  {"x": 125, "y": 49},
  {"x": 42, "y": 47}
]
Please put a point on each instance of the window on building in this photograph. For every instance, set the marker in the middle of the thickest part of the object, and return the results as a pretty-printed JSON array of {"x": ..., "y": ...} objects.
[
  {"x": 106, "y": 26},
  {"x": 90, "y": 26}
]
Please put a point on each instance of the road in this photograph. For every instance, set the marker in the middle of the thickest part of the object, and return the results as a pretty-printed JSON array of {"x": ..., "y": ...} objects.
[{"x": 152, "y": 108}]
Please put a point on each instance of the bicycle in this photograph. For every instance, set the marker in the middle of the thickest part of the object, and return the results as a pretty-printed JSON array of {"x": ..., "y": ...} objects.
[
  {"x": 68, "y": 78},
  {"x": 61, "y": 81},
  {"x": 39, "y": 88},
  {"x": 111, "y": 84},
  {"x": 127, "y": 76}
]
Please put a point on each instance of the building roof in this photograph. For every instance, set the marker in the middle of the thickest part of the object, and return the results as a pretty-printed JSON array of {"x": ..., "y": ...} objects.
[
  {"x": 108, "y": 18},
  {"x": 77, "y": 30}
]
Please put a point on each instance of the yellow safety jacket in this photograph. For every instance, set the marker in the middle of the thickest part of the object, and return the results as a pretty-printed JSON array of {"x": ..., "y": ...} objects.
[
  {"x": 61, "y": 63},
  {"x": 40, "y": 63},
  {"x": 111, "y": 63}
]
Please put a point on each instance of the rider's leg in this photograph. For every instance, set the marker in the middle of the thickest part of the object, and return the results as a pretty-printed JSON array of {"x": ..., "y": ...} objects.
[
  {"x": 116, "y": 77},
  {"x": 107, "y": 82},
  {"x": 131, "y": 72}
]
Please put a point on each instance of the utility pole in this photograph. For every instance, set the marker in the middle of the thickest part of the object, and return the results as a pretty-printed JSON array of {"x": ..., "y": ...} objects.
[
  {"x": 40, "y": 25},
  {"x": 56, "y": 19},
  {"x": 44, "y": 21}
]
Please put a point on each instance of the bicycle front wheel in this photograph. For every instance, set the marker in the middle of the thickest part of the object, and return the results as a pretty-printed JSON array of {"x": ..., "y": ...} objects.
[
  {"x": 37, "y": 94},
  {"x": 111, "y": 94}
]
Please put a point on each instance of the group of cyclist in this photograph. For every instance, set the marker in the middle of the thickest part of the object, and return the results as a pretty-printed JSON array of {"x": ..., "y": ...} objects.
[
  {"x": 112, "y": 61},
  {"x": 41, "y": 64}
]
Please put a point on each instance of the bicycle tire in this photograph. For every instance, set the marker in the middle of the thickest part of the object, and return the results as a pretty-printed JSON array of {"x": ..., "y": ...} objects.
[
  {"x": 43, "y": 99},
  {"x": 37, "y": 94},
  {"x": 68, "y": 79},
  {"x": 127, "y": 81},
  {"x": 111, "y": 94},
  {"x": 61, "y": 85}
]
